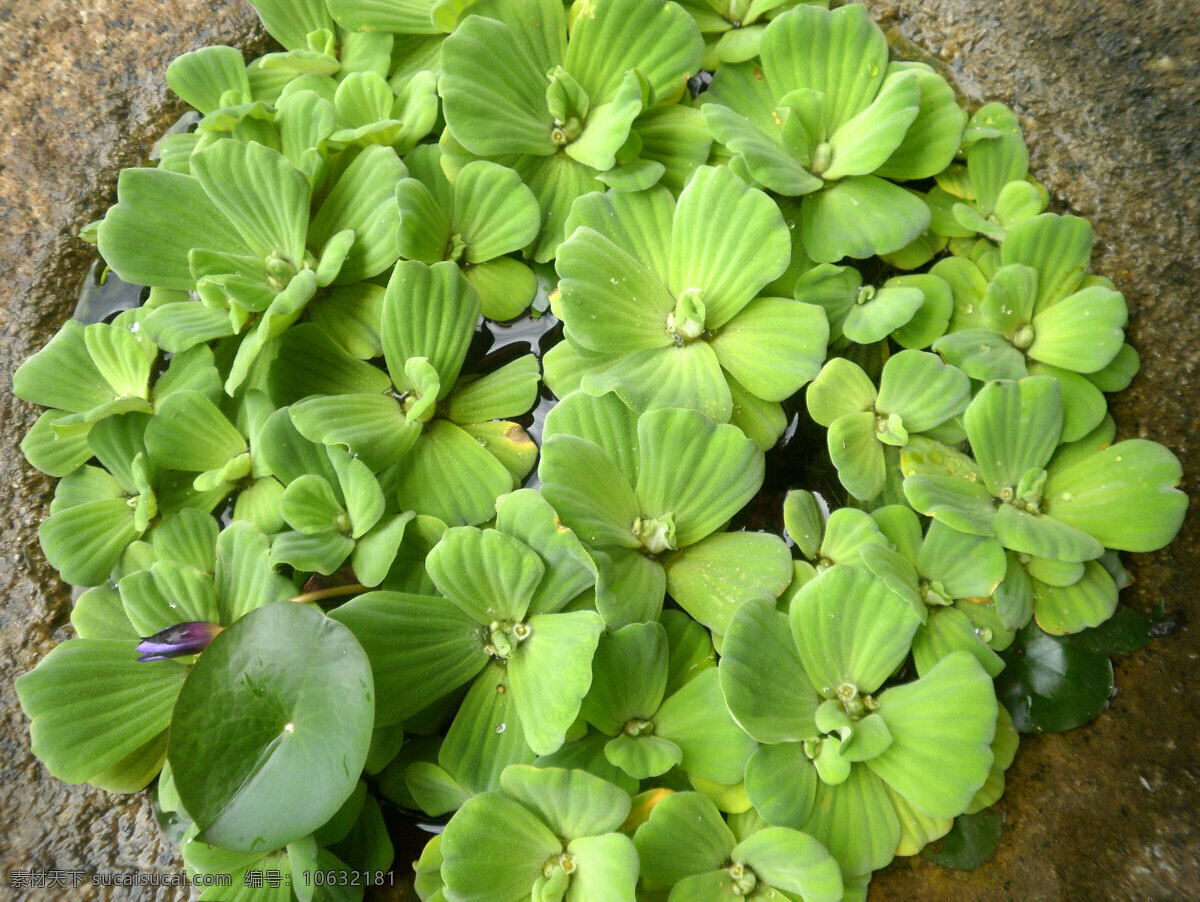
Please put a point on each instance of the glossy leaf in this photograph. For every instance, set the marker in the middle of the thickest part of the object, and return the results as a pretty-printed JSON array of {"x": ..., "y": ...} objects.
[{"x": 288, "y": 763}]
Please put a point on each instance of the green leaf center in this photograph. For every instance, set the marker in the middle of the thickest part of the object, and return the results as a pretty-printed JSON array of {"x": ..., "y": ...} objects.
[
  {"x": 656, "y": 534},
  {"x": 504, "y": 636},
  {"x": 743, "y": 877},
  {"x": 686, "y": 321}
]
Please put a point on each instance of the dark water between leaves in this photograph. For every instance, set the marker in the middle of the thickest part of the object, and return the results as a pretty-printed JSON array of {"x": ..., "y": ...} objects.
[{"x": 797, "y": 461}]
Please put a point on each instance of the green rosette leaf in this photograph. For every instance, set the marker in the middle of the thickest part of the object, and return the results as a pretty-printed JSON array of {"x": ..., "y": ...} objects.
[
  {"x": 486, "y": 735},
  {"x": 487, "y": 574},
  {"x": 938, "y": 763},
  {"x": 792, "y": 862},
  {"x": 159, "y": 218},
  {"x": 428, "y": 311},
  {"x": 363, "y": 201},
  {"x": 695, "y": 471},
  {"x": 551, "y": 671},
  {"x": 834, "y": 228},
  {"x": 449, "y": 475},
  {"x": 685, "y": 835},
  {"x": 572, "y": 803},
  {"x": 763, "y": 678},
  {"x": 94, "y": 708},
  {"x": 697, "y": 720},
  {"x": 850, "y": 628},
  {"x": 419, "y": 647},
  {"x": 714, "y": 577},
  {"x": 1123, "y": 496},
  {"x": 494, "y": 850},
  {"x": 728, "y": 274},
  {"x": 629, "y": 677},
  {"x": 493, "y": 211}
]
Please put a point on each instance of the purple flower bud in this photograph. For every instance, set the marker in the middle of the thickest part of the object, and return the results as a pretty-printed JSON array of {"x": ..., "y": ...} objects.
[{"x": 178, "y": 640}]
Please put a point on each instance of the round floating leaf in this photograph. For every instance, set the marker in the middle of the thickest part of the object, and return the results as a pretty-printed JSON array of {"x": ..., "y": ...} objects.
[
  {"x": 971, "y": 843},
  {"x": 302, "y": 688},
  {"x": 1049, "y": 685}
]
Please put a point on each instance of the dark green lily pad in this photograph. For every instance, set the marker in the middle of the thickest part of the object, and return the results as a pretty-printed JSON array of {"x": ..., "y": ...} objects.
[
  {"x": 971, "y": 843},
  {"x": 1049, "y": 684},
  {"x": 272, "y": 728}
]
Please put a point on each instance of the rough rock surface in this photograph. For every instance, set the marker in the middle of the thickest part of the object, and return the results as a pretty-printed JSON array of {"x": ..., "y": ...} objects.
[
  {"x": 1109, "y": 94},
  {"x": 82, "y": 94}
]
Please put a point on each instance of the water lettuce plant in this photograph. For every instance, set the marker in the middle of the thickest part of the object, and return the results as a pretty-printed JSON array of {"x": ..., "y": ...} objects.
[
  {"x": 826, "y": 117},
  {"x": 363, "y": 543}
]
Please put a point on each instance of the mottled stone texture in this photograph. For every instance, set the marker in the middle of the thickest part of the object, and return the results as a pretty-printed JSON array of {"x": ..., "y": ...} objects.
[
  {"x": 1109, "y": 94},
  {"x": 82, "y": 93}
]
